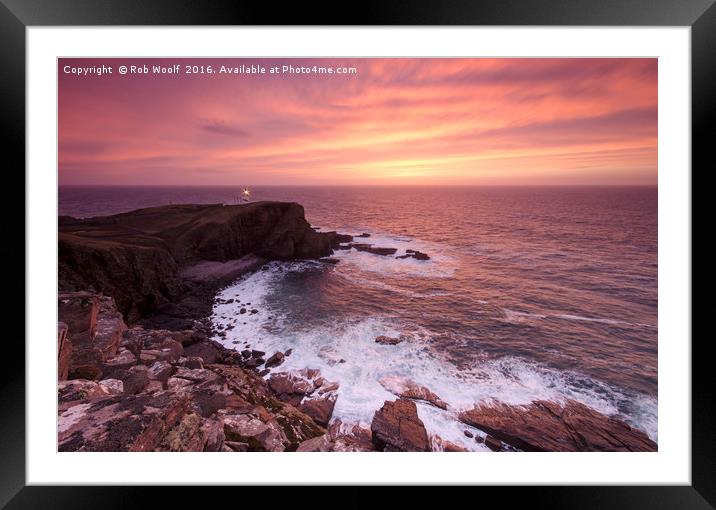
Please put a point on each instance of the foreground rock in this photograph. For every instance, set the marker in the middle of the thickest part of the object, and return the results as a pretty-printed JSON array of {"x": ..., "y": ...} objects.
[
  {"x": 396, "y": 427},
  {"x": 404, "y": 387},
  {"x": 549, "y": 426}
]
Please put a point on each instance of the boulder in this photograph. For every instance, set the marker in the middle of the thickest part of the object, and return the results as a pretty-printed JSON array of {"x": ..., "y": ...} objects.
[
  {"x": 120, "y": 422},
  {"x": 258, "y": 435},
  {"x": 275, "y": 360},
  {"x": 110, "y": 327},
  {"x": 186, "y": 436},
  {"x": 397, "y": 427},
  {"x": 112, "y": 386},
  {"x": 78, "y": 310},
  {"x": 316, "y": 444},
  {"x": 291, "y": 383},
  {"x": 404, "y": 387},
  {"x": 320, "y": 409},
  {"x": 550, "y": 426},
  {"x": 136, "y": 379}
]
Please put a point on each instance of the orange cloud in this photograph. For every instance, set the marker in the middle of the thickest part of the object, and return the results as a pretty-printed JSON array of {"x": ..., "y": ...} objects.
[{"x": 412, "y": 121}]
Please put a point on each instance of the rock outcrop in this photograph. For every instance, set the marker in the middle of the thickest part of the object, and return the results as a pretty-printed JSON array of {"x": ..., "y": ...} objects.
[
  {"x": 550, "y": 426},
  {"x": 396, "y": 427},
  {"x": 404, "y": 387},
  {"x": 143, "y": 258}
]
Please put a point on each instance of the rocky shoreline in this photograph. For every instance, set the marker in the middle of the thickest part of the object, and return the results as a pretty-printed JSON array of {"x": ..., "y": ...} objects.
[{"x": 138, "y": 369}]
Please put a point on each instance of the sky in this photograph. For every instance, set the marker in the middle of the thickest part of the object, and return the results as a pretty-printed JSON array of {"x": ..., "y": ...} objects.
[{"x": 393, "y": 122}]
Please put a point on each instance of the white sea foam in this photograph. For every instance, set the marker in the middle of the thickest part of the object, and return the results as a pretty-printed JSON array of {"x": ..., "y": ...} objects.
[{"x": 510, "y": 380}]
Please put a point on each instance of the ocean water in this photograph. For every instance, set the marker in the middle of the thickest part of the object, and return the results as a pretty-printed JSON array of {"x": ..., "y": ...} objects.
[{"x": 529, "y": 293}]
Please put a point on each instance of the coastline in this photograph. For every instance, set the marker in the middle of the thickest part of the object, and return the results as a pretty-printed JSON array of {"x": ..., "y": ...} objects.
[{"x": 145, "y": 345}]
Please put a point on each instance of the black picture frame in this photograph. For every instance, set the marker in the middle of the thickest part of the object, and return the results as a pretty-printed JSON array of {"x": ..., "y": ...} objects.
[{"x": 17, "y": 15}]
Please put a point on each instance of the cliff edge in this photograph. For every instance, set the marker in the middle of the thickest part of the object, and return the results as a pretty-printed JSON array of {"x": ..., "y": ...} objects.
[{"x": 142, "y": 257}]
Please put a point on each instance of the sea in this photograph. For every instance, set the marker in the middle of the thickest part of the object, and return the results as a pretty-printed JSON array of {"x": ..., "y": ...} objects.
[{"x": 530, "y": 293}]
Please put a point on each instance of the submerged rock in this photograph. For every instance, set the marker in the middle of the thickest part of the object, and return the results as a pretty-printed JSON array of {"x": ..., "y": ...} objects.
[
  {"x": 397, "y": 427},
  {"x": 388, "y": 340},
  {"x": 373, "y": 249},
  {"x": 550, "y": 426}
]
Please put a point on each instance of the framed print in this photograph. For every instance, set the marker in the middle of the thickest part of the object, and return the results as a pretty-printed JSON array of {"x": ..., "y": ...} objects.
[{"x": 273, "y": 253}]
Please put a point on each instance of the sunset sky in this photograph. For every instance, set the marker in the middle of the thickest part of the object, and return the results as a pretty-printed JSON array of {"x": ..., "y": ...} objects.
[{"x": 397, "y": 121}]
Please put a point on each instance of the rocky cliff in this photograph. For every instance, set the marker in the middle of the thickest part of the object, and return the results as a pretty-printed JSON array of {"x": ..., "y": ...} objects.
[{"x": 142, "y": 258}]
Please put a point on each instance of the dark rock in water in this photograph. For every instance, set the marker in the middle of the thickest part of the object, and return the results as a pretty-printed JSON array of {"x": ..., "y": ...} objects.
[
  {"x": 468, "y": 434},
  {"x": 388, "y": 340},
  {"x": 243, "y": 310},
  {"x": 493, "y": 443},
  {"x": 414, "y": 254},
  {"x": 288, "y": 352},
  {"x": 364, "y": 234},
  {"x": 550, "y": 426},
  {"x": 342, "y": 247},
  {"x": 254, "y": 310},
  {"x": 136, "y": 257},
  {"x": 329, "y": 260},
  {"x": 374, "y": 250},
  {"x": 397, "y": 427},
  {"x": 257, "y": 354},
  {"x": 275, "y": 360}
]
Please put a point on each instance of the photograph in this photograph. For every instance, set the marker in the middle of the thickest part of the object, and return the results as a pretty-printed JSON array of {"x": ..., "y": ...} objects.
[{"x": 357, "y": 254}]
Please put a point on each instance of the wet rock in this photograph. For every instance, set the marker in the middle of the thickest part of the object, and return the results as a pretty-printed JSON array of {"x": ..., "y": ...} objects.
[
  {"x": 285, "y": 383},
  {"x": 330, "y": 260},
  {"x": 350, "y": 438},
  {"x": 320, "y": 409},
  {"x": 493, "y": 443},
  {"x": 550, "y": 426},
  {"x": 373, "y": 249},
  {"x": 275, "y": 360},
  {"x": 364, "y": 234},
  {"x": 397, "y": 427},
  {"x": 414, "y": 254},
  {"x": 387, "y": 340},
  {"x": 120, "y": 422},
  {"x": 404, "y": 387},
  {"x": 443, "y": 445},
  {"x": 468, "y": 434}
]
